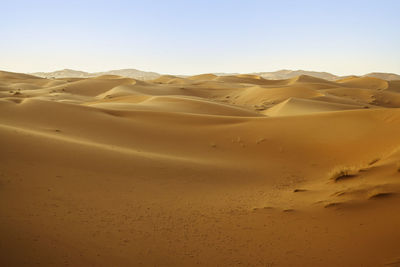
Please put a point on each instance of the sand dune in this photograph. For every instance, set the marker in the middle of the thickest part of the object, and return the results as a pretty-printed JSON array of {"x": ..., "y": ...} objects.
[
  {"x": 365, "y": 82},
  {"x": 173, "y": 104},
  {"x": 246, "y": 79},
  {"x": 203, "y": 170},
  {"x": 298, "y": 106},
  {"x": 207, "y": 77},
  {"x": 168, "y": 79},
  {"x": 367, "y": 96}
]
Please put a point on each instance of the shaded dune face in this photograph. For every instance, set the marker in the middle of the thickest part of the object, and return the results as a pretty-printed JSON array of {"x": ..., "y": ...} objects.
[{"x": 205, "y": 170}]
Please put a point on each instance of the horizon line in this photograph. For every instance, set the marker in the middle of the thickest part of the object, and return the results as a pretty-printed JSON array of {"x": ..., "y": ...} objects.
[{"x": 193, "y": 74}]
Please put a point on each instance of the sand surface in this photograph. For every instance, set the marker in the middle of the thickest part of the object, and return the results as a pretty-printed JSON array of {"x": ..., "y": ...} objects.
[{"x": 206, "y": 170}]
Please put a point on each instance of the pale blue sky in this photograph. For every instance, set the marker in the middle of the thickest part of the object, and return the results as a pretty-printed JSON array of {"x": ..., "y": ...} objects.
[{"x": 190, "y": 37}]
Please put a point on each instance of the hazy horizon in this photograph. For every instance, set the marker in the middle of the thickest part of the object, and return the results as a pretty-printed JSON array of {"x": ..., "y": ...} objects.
[
  {"x": 199, "y": 73},
  {"x": 176, "y": 37}
]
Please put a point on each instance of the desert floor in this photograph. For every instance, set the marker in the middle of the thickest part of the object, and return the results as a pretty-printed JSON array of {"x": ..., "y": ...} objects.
[{"x": 206, "y": 170}]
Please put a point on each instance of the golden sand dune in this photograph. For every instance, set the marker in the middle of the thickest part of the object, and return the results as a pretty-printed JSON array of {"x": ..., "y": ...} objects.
[
  {"x": 367, "y": 96},
  {"x": 394, "y": 86},
  {"x": 208, "y": 171},
  {"x": 173, "y": 104},
  {"x": 261, "y": 97},
  {"x": 246, "y": 79},
  {"x": 365, "y": 82},
  {"x": 299, "y": 106},
  {"x": 309, "y": 79},
  {"x": 140, "y": 88},
  {"x": 169, "y": 79},
  {"x": 207, "y": 77}
]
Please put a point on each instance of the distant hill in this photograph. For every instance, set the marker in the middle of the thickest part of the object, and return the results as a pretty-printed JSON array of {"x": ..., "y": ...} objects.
[
  {"x": 63, "y": 74},
  {"x": 68, "y": 73}
]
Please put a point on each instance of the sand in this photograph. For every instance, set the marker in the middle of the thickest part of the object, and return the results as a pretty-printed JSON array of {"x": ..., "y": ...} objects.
[{"x": 205, "y": 170}]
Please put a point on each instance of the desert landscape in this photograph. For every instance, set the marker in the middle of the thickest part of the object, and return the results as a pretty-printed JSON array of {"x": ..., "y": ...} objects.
[{"x": 206, "y": 170}]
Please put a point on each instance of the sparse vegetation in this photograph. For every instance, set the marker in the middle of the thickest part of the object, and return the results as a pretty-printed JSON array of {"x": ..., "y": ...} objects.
[
  {"x": 288, "y": 210},
  {"x": 343, "y": 173},
  {"x": 374, "y": 161},
  {"x": 299, "y": 190},
  {"x": 333, "y": 205},
  {"x": 381, "y": 195},
  {"x": 260, "y": 140}
]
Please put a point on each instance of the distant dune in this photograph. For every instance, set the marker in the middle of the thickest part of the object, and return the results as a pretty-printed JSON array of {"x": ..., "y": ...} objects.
[
  {"x": 130, "y": 168},
  {"x": 144, "y": 75},
  {"x": 384, "y": 76},
  {"x": 287, "y": 74}
]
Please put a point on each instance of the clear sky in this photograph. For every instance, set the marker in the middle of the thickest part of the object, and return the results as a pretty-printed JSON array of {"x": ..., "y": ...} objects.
[{"x": 198, "y": 36}]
